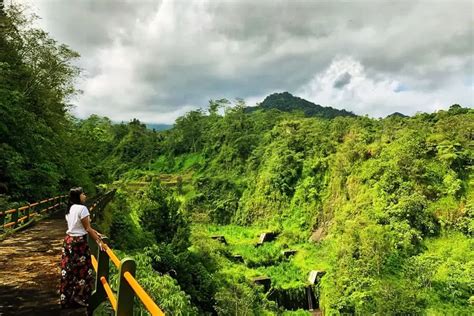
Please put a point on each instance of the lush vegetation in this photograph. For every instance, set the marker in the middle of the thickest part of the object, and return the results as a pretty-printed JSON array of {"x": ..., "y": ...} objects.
[
  {"x": 288, "y": 103},
  {"x": 384, "y": 206}
]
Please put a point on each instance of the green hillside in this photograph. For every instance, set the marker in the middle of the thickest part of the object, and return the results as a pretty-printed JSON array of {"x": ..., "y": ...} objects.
[
  {"x": 286, "y": 102},
  {"x": 383, "y": 207}
]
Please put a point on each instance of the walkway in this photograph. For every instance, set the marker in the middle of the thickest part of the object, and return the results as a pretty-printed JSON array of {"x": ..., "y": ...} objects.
[{"x": 29, "y": 270}]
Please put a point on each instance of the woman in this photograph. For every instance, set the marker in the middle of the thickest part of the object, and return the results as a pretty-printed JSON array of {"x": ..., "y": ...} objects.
[{"x": 76, "y": 266}]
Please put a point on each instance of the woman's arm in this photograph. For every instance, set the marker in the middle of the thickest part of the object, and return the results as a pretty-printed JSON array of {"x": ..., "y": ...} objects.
[{"x": 92, "y": 232}]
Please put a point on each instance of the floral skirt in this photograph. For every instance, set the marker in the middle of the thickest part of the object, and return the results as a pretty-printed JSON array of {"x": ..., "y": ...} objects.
[{"x": 77, "y": 277}]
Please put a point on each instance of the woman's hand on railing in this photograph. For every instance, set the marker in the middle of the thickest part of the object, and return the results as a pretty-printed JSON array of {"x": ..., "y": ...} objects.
[{"x": 101, "y": 244}]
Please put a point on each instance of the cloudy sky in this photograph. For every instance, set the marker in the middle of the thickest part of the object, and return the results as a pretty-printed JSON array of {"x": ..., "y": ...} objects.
[{"x": 155, "y": 60}]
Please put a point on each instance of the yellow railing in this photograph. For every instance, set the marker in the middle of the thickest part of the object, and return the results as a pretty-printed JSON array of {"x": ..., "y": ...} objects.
[
  {"x": 128, "y": 286},
  {"x": 127, "y": 275},
  {"x": 110, "y": 294},
  {"x": 15, "y": 218}
]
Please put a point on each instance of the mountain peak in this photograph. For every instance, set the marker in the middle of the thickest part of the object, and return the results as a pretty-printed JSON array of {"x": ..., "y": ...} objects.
[
  {"x": 397, "y": 114},
  {"x": 286, "y": 102}
]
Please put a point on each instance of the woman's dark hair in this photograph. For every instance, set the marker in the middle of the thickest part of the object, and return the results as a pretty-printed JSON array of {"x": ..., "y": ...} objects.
[{"x": 74, "y": 197}]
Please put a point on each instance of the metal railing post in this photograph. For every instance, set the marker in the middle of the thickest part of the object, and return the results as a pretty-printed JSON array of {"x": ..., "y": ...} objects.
[
  {"x": 27, "y": 213},
  {"x": 51, "y": 206},
  {"x": 98, "y": 295},
  {"x": 125, "y": 293},
  {"x": 15, "y": 218},
  {"x": 2, "y": 221}
]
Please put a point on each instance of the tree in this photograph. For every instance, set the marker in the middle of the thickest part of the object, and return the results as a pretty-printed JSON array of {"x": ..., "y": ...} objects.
[
  {"x": 37, "y": 78},
  {"x": 160, "y": 215}
]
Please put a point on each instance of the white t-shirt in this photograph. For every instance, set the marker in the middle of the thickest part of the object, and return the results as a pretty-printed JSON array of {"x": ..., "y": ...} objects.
[{"x": 74, "y": 224}]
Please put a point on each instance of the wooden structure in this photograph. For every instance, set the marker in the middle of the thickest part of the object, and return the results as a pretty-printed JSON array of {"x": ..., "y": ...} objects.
[
  {"x": 238, "y": 258},
  {"x": 314, "y": 276}
]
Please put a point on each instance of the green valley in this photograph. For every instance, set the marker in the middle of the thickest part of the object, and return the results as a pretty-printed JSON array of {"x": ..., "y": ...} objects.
[{"x": 382, "y": 209}]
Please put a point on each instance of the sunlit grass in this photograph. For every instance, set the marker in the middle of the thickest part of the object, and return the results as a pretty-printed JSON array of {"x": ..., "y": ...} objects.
[{"x": 267, "y": 259}]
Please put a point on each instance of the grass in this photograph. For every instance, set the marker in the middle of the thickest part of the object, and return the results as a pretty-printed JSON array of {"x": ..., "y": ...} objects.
[
  {"x": 268, "y": 259},
  {"x": 177, "y": 164},
  {"x": 454, "y": 253},
  {"x": 287, "y": 274}
]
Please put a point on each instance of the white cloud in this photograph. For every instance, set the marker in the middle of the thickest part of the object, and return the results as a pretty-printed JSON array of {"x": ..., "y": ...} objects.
[
  {"x": 381, "y": 94},
  {"x": 143, "y": 57}
]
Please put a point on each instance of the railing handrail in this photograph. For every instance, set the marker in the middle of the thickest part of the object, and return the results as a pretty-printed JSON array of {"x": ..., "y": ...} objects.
[
  {"x": 128, "y": 286},
  {"x": 108, "y": 291},
  {"x": 137, "y": 289},
  {"x": 28, "y": 212},
  {"x": 150, "y": 305}
]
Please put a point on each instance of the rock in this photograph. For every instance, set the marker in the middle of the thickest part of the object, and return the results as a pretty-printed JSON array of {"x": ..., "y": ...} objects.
[
  {"x": 267, "y": 237},
  {"x": 220, "y": 238},
  {"x": 315, "y": 276},
  {"x": 289, "y": 253},
  {"x": 263, "y": 280},
  {"x": 238, "y": 258}
]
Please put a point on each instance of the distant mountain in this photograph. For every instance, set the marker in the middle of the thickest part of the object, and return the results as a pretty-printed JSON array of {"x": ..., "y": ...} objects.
[
  {"x": 397, "y": 114},
  {"x": 159, "y": 127},
  {"x": 287, "y": 102}
]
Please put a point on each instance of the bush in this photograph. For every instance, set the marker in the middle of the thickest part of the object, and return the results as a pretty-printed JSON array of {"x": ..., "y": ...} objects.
[{"x": 160, "y": 215}]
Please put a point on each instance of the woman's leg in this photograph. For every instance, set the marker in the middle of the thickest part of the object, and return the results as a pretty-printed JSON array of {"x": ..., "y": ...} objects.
[
  {"x": 83, "y": 273},
  {"x": 67, "y": 277}
]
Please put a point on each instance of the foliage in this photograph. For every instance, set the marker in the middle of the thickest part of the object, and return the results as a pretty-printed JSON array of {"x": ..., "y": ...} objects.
[
  {"x": 242, "y": 299},
  {"x": 160, "y": 215},
  {"x": 287, "y": 102},
  {"x": 375, "y": 190},
  {"x": 389, "y": 202},
  {"x": 122, "y": 232},
  {"x": 37, "y": 75},
  {"x": 163, "y": 289}
]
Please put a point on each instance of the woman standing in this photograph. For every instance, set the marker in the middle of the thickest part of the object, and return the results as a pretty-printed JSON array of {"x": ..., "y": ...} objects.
[{"x": 76, "y": 266}]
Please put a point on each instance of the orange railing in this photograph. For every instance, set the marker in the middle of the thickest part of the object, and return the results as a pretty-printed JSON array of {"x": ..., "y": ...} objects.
[
  {"x": 19, "y": 217},
  {"x": 128, "y": 287}
]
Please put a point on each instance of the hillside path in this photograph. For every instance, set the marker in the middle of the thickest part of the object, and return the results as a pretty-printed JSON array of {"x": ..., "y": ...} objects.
[{"x": 30, "y": 270}]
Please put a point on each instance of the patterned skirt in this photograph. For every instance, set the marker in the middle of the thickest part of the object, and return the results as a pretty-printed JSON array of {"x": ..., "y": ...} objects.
[{"x": 77, "y": 277}]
